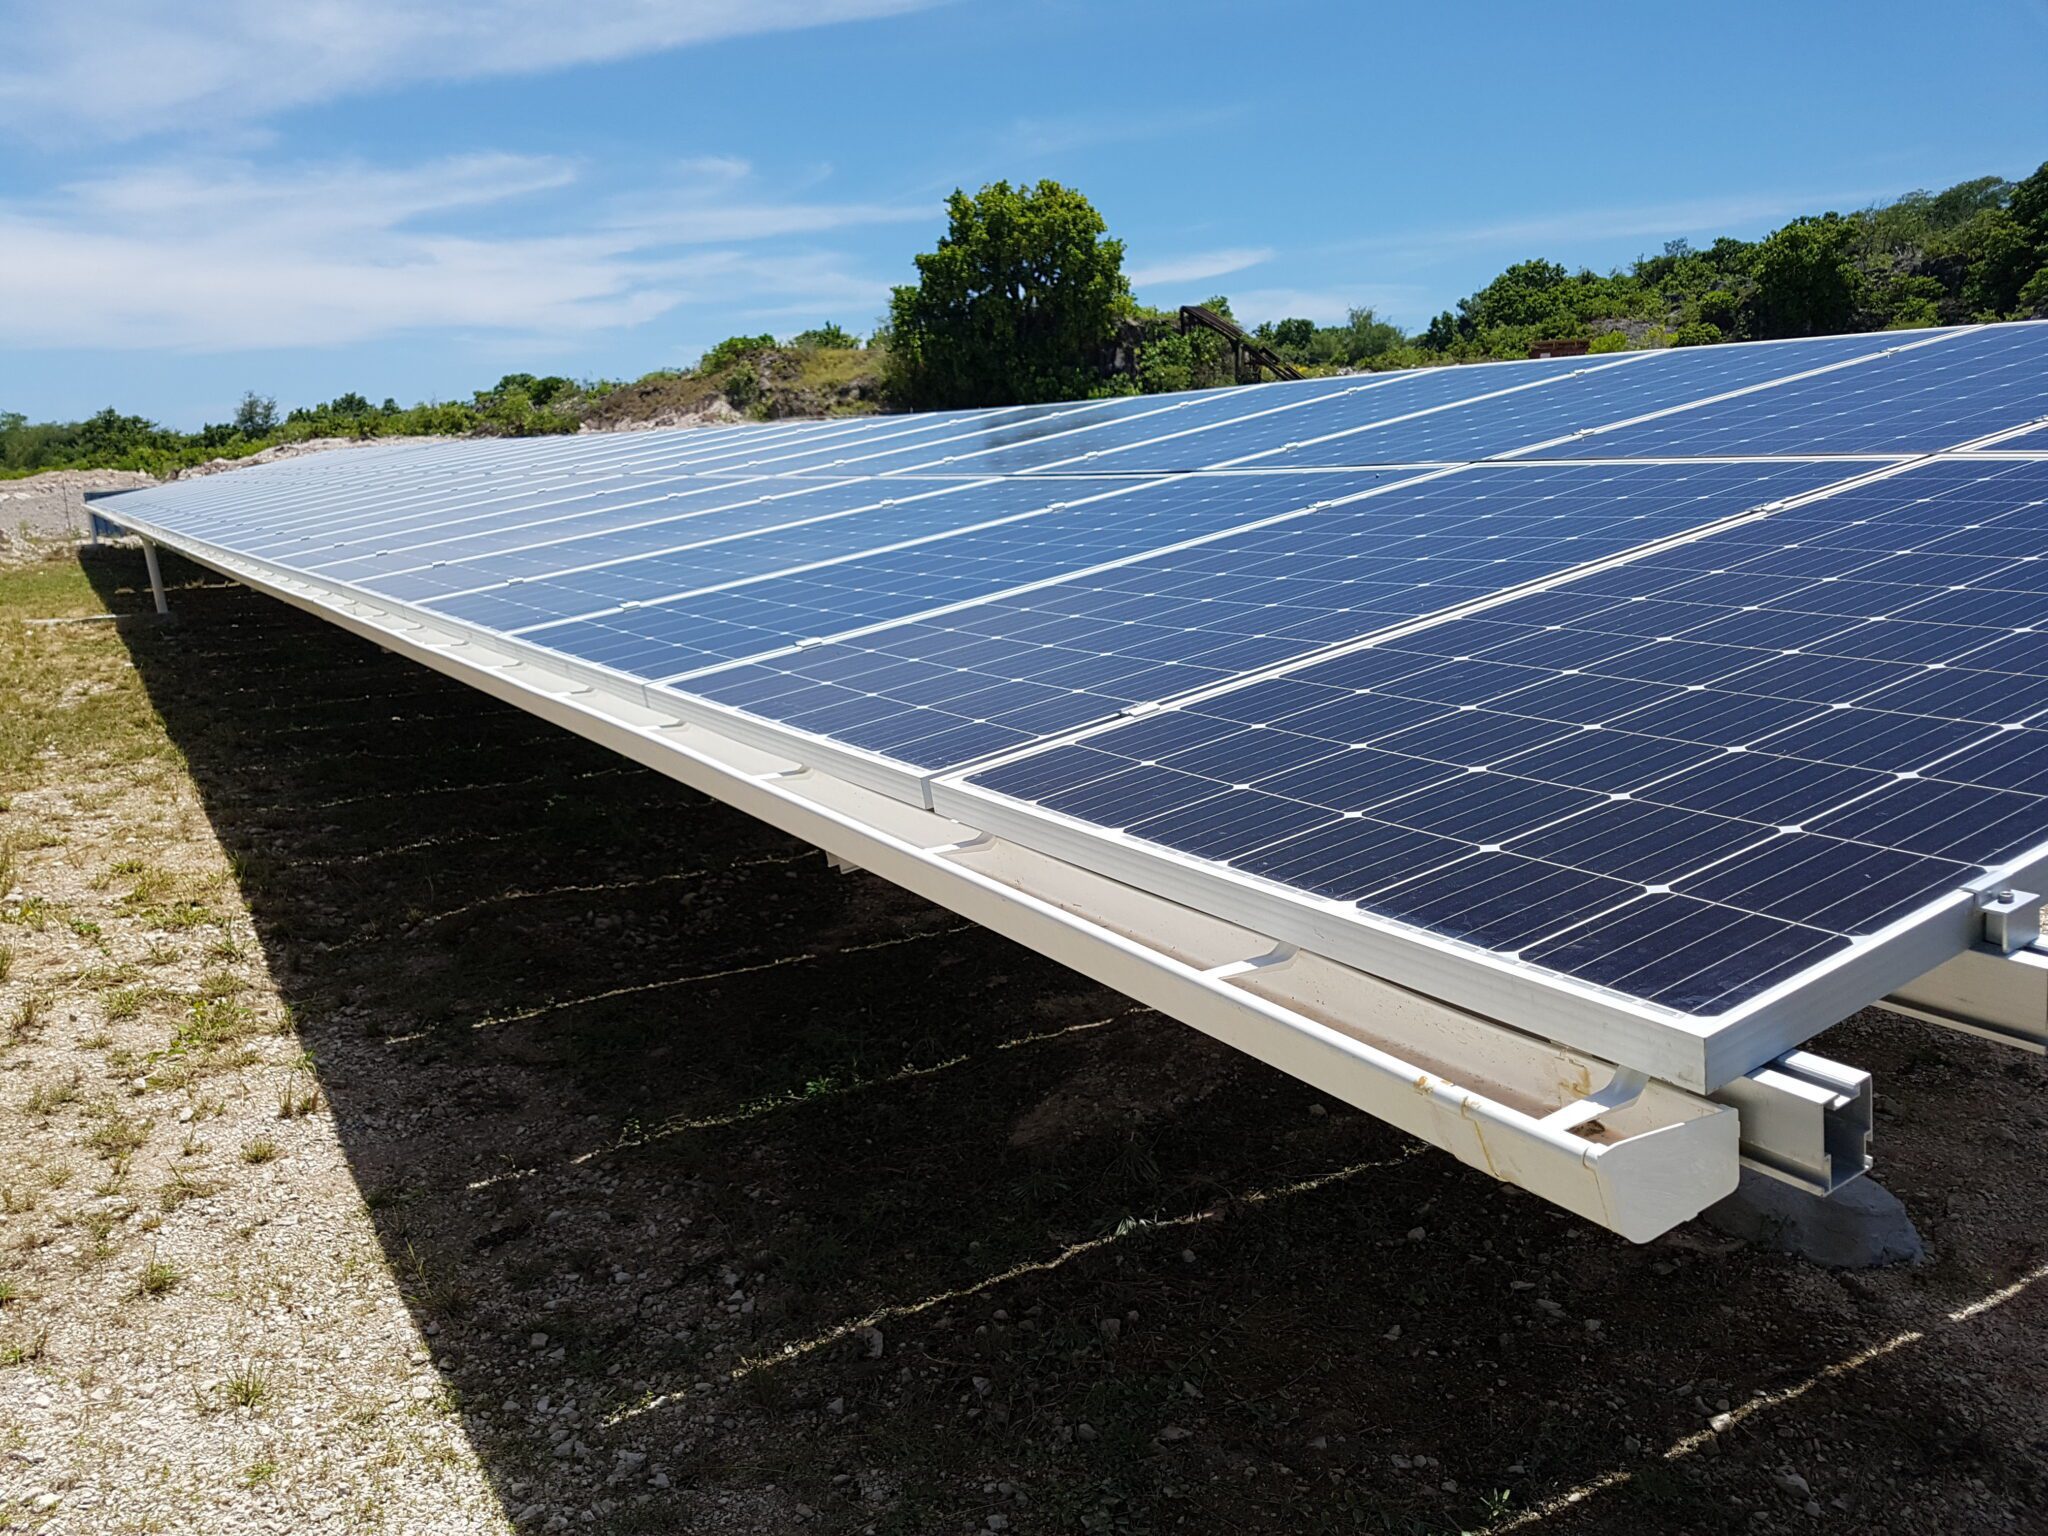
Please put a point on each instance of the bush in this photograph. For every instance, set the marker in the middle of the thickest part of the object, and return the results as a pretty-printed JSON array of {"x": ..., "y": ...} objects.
[
  {"x": 731, "y": 350},
  {"x": 743, "y": 386},
  {"x": 1696, "y": 333},
  {"x": 821, "y": 337}
]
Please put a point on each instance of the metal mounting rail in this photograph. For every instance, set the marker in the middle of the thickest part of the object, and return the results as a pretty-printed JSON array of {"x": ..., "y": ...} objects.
[{"x": 1985, "y": 991}]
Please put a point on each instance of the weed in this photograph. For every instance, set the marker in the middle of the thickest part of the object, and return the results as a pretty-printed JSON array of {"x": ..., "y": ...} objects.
[
  {"x": 9, "y": 1292},
  {"x": 33, "y": 914},
  {"x": 260, "y": 1149},
  {"x": 161, "y": 952},
  {"x": 158, "y": 1277},
  {"x": 182, "y": 1187},
  {"x": 27, "y": 1018},
  {"x": 6, "y": 962},
  {"x": 296, "y": 1097},
  {"x": 115, "y": 1136},
  {"x": 217, "y": 984},
  {"x": 179, "y": 916},
  {"x": 247, "y": 1387},
  {"x": 227, "y": 950},
  {"x": 128, "y": 1002},
  {"x": 23, "y": 1348},
  {"x": 257, "y": 1473},
  {"x": 48, "y": 1097},
  {"x": 99, "y": 1227},
  {"x": 148, "y": 886},
  {"x": 215, "y": 1021}
]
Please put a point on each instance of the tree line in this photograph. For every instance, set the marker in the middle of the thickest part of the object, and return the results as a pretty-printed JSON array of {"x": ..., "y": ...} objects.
[{"x": 1025, "y": 299}]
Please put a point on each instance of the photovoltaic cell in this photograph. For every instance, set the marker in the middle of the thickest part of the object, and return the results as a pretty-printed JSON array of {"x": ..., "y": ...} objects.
[
  {"x": 1686, "y": 777},
  {"x": 987, "y": 676},
  {"x": 1053, "y": 528},
  {"x": 1516, "y": 410},
  {"x": 1918, "y": 400}
]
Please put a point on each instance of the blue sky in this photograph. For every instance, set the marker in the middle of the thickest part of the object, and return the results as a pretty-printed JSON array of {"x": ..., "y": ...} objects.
[{"x": 411, "y": 199}]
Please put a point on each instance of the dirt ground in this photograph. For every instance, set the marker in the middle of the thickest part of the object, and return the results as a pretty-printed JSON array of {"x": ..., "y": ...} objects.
[{"x": 415, "y": 1120}]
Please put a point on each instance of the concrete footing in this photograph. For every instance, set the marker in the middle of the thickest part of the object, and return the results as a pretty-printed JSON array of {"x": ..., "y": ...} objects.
[{"x": 1860, "y": 1226}]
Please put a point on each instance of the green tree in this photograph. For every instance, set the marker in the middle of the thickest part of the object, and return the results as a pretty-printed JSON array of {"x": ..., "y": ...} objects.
[
  {"x": 256, "y": 416},
  {"x": 1807, "y": 283},
  {"x": 1019, "y": 303}
]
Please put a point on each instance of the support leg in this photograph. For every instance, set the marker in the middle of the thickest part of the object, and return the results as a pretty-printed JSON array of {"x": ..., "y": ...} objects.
[{"x": 156, "y": 576}]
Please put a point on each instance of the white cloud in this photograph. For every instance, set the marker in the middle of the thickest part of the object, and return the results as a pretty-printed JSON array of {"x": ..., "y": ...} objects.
[
  {"x": 1659, "y": 221},
  {"x": 1197, "y": 265},
  {"x": 219, "y": 256},
  {"x": 121, "y": 68}
]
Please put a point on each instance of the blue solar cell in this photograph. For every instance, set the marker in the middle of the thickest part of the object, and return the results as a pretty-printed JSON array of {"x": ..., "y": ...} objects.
[
  {"x": 1169, "y": 624},
  {"x": 1301, "y": 413},
  {"x": 1075, "y": 443},
  {"x": 1593, "y": 392},
  {"x": 788, "y": 523},
  {"x": 1647, "y": 747},
  {"x": 1055, "y": 528},
  {"x": 1919, "y": 399}
]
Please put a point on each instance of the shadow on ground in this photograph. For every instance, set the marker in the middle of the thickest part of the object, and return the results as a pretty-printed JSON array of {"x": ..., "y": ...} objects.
[{"x": 838, "y": 1213}]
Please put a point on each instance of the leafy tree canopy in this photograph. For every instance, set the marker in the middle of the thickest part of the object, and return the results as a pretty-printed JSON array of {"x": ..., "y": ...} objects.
[{"x": 1020, "y": 302}]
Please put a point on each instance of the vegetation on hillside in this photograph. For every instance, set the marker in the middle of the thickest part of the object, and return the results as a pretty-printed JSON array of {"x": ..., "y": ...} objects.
[{"x": 1025, "y": 299}]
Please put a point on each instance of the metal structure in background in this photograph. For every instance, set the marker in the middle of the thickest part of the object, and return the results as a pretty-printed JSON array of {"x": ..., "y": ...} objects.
[
  {"x": 1243, "y": 345},
  {"x": 1532, "y": 755}
]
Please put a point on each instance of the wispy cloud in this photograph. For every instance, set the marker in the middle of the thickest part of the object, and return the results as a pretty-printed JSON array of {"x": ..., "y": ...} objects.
[
  {"x": 219, "y": 256},
  {"x": 122, "y": 68},
  {"x": 1194, "y": 266},
  {"x": 1568, "y": 227}
]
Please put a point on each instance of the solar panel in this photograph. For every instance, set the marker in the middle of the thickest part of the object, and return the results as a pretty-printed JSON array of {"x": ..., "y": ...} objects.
[
  {"x": 2026, "y": 442},
  {"x": 941, "y": 690},
  {"x": 1916, "y": 400},
  {"x": 1685, "y": 779},
  {"x": 1634, "y": 699},
  {"x": 1020, "y": 531},
  {"x": 1519, "y": 409}
]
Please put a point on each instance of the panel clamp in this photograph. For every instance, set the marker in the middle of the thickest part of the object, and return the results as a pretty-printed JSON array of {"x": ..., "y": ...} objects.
[{"x": 2011, "y": 918}]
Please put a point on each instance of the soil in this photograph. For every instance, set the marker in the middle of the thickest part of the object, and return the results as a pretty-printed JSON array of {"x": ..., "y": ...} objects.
[{"x": 628, "y": 1170}]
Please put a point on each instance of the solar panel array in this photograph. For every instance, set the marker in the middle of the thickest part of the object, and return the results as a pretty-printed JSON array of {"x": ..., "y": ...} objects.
[{"x": 1670, "y": 674}]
